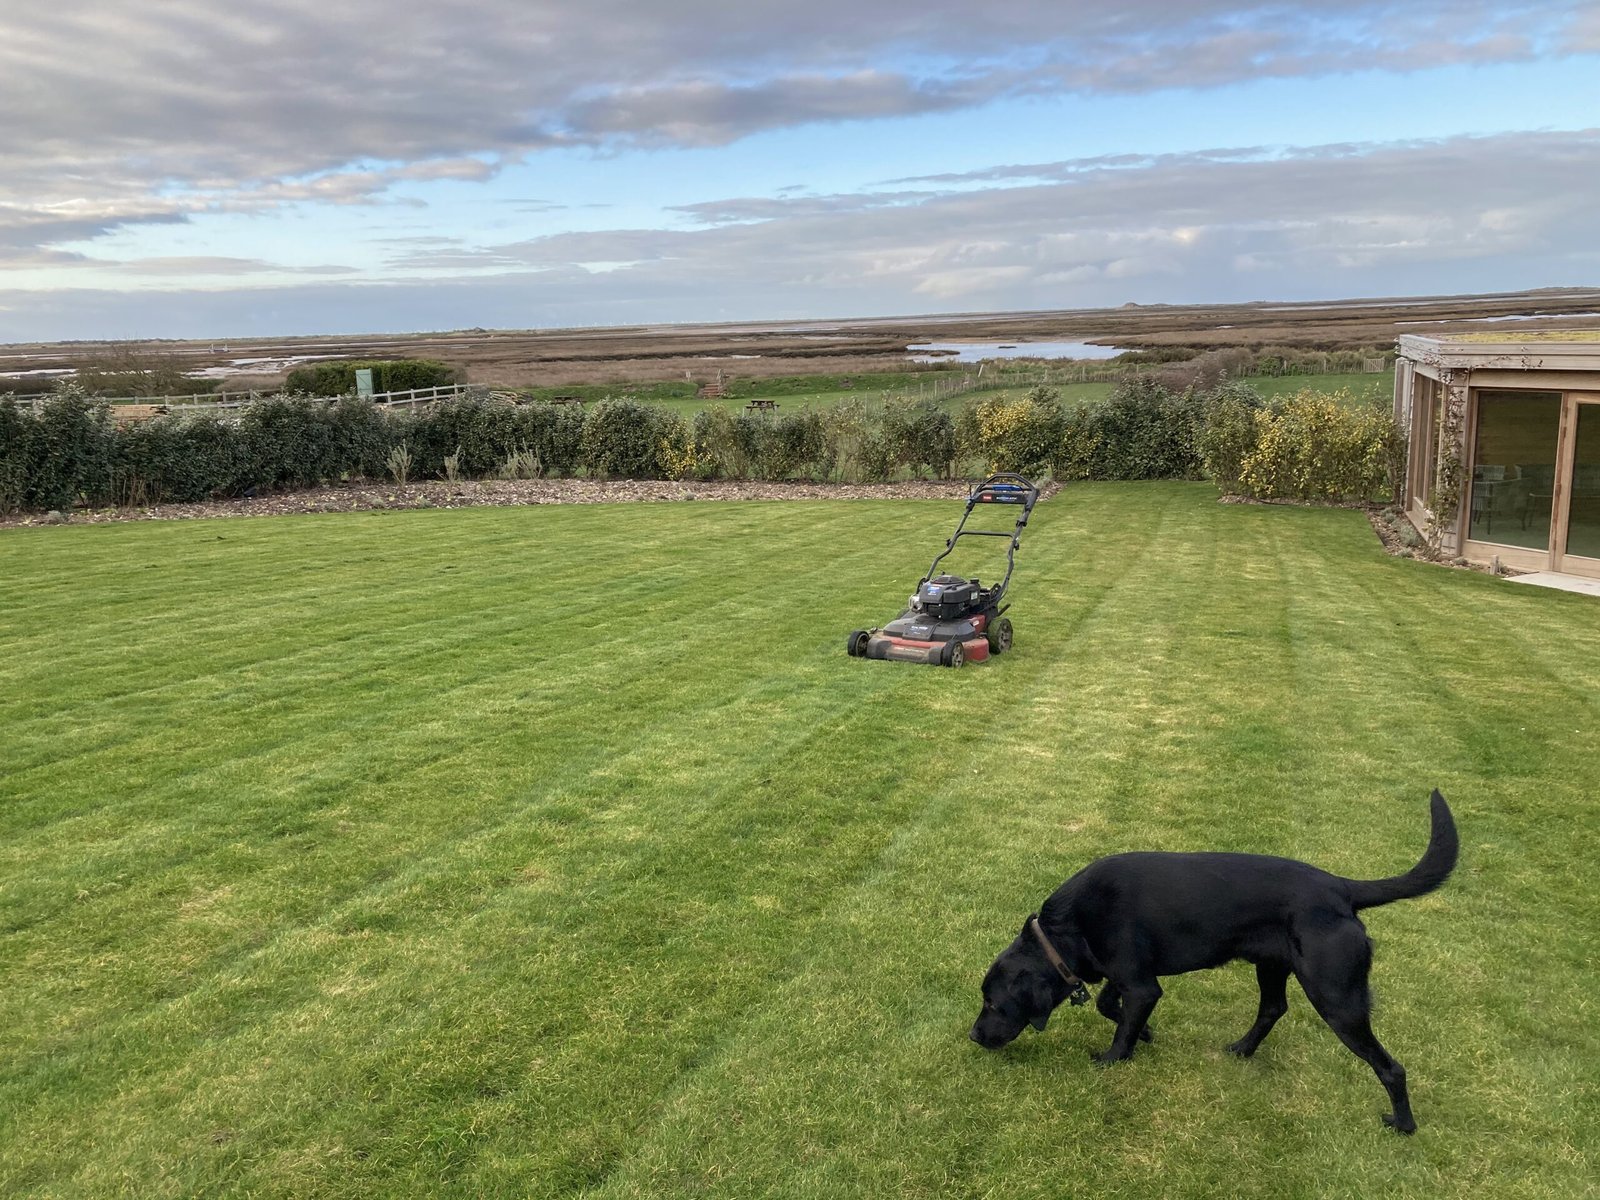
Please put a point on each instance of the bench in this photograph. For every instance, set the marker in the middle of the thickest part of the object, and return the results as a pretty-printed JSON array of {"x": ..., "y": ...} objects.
[{"x": 127, "y": 414}]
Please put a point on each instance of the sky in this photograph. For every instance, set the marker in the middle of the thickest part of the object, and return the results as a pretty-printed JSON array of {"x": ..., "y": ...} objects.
[{"x": 188, "y": 168}]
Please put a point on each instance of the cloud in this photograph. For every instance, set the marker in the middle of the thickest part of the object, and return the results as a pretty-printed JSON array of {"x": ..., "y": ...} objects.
[
  {"x": 189, "y": 265},
  {"x": 1454, "y": 215},
  {"x": 761, "y": 208},
  {"x": 186, "y": 106},
  {"x": 1315, "y": 210}
]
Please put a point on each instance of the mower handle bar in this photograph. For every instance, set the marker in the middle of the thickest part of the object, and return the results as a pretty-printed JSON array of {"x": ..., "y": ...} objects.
[{"x": 984, "y": 493}]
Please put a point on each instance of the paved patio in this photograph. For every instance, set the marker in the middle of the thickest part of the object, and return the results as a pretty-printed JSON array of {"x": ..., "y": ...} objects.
[{"x": 1565, "y": 583}]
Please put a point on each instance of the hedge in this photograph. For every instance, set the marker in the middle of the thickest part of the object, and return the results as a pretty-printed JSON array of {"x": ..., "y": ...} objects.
[
  {"x": 49, "y": 460},
  {"x": 1142, "y": 431},
  {"x": 1321, "y": 446},
  {"x": 388, "y": 375},
  {"x": 1308, "y": 446}
]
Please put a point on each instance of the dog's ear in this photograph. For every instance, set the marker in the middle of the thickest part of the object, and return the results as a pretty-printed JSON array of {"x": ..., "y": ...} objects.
[{"x": 1041, "y": 1003}]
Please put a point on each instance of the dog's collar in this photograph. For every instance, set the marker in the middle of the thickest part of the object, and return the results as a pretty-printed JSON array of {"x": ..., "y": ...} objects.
[
  {"x": 1079, "y": 994},
  {"x": 1050, "y": 952}
]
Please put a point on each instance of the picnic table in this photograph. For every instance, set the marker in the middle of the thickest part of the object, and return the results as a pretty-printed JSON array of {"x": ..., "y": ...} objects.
[{"x": 762, "y": 406}]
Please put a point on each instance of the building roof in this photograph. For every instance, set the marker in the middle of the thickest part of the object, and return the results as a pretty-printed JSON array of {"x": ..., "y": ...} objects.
[{"x": 1546, "y": 350}]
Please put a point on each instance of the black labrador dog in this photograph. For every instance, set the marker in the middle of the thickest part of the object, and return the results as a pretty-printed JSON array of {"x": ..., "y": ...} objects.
[{"x": 1130, "y": 918}]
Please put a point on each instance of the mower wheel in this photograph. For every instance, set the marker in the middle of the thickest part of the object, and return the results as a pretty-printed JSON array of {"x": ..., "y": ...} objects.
[
  {"x": 1000, "y": 636},
  {"x": 955, "y": 654},
  {"x": 856, "y": 645}
]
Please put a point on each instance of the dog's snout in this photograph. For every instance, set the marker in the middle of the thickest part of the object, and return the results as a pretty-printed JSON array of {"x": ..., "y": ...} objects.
[{"x": 986, "y": 1038}]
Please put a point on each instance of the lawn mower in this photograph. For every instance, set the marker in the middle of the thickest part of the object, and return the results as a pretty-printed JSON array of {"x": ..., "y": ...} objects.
[{"x": 950, "y": 620}]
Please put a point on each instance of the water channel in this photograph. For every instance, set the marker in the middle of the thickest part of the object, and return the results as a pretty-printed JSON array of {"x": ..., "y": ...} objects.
[{"x": 970, "y": 352}]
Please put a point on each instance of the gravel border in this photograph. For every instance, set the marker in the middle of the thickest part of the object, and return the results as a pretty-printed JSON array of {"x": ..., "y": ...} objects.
[{"x": 368, "y": 497}]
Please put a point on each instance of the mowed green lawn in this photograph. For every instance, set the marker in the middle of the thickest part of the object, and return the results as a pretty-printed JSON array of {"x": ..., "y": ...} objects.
[{"x": 562, "y": 851}]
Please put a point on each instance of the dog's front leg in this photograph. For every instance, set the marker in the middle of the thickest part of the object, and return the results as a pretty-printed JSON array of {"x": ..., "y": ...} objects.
[
  {"x": 1109, "y": 1002},
  {"x": 1138, "y": 1002}
]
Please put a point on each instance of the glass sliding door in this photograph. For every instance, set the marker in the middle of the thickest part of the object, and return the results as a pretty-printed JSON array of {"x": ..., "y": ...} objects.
[
  {"x": 1583, "y": 497},
  {"x": 1512, "y": 491}
]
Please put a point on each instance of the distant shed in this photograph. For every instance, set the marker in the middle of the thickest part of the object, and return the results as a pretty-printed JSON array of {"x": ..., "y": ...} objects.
[{"x": 1503, "y": 448}]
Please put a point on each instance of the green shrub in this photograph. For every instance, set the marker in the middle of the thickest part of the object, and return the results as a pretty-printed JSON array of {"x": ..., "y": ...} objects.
[
  {"x": 798, "y": 446},
  {"x": 1015, "y": 435},
  {"x": 623, "y": 437},
  {"x": 752, "y": 435},
  {"x": 846, "y": 427},
  {"x": 749, "y": 445},
  {"x": 361, "y": 437},
  {"x": 16, "y": 454},
  {"x": 71, "y": 451},
  {"x": 1228, "y": 435},
  {"x": 60, "y": 456},
  {"x": 718, "y": 454},
  {"x": 552, "y": 431},
  {"x": 1142, "y": 431},
  {"x": 918, "y": 435},
  {"x": 177, "y": 459},
  {"x": 289, "y": 443},
  {"x": 1321, "y": 446},
  {"x": 877, "y": 458},
  {"x": 388, "y": 375},
  {"x": 1079, "y": 447},
  {"x": 482, "y": 431}
]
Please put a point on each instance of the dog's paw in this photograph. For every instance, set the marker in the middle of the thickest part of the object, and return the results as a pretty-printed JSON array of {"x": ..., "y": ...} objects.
[
  {"x": 1107, "y": 1058},
  {"x": 1409, "y": 1127},
  {"x": 1147, "y": 1034},
  {"x": 1242, "y": 1048}
]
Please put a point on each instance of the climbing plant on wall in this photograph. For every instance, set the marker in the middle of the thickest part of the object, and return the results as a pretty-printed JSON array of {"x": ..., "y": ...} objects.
[{"x": 1451, "y": 474}]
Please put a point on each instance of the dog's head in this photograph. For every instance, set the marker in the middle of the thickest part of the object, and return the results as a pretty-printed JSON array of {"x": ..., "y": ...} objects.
[{"x": 1021, "y": 989}]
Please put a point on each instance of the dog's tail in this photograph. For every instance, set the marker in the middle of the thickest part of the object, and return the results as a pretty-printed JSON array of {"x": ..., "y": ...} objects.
[{"x": 1438, "y": 860}]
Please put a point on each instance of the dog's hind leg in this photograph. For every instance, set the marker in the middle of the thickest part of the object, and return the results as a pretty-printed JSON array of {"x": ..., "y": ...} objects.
[
  {"x": 1332, "y": 968},
  {"x": 1138, "y": 1002},
  {"x": 1109, "y": 1002},
  {"x": 1272, "y": 978}
]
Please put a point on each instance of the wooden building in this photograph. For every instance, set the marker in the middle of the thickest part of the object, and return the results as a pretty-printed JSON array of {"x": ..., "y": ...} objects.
[{"x": 1503, "y": 453}]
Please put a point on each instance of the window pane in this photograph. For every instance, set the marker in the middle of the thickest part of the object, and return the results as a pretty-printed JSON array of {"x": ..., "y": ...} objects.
[
  {"x": 1424, "y": 437},
  {"x": 1513, "y": 473},
  {"x": 1583, "y": 519}
]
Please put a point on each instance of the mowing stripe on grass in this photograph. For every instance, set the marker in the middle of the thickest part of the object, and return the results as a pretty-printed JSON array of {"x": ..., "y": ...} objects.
[{"x": 594, "y": 866}]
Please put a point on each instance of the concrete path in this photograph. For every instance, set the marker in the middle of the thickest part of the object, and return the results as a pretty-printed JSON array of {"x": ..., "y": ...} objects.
[{"x": 1565, "y": 583}]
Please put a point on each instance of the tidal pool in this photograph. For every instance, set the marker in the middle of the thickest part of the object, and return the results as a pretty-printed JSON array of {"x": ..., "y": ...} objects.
[{"x": 928, "y": 352}]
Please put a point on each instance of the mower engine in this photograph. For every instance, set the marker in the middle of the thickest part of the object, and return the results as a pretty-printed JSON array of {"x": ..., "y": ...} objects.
[{"x": 946, "y": 597}]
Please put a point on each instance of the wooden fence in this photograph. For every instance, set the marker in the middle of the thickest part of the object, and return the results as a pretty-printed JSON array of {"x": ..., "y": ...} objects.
[{"x": 229, "y": 403}]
